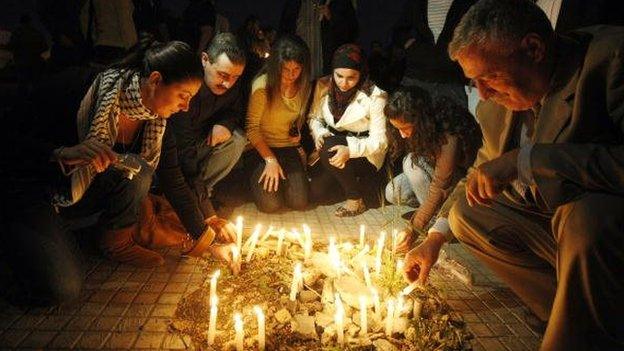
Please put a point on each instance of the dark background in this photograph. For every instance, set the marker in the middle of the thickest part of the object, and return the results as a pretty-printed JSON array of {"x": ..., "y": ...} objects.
[{"x": 376, "y": 17}]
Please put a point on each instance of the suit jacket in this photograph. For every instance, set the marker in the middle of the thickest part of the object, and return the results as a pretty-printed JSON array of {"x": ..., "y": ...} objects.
[
  {"x": 580, "y": 128},
  {"x": 581, "y": 13},
  {"x": 364, "y": 114},
  {"x": 425, "y": 59}
]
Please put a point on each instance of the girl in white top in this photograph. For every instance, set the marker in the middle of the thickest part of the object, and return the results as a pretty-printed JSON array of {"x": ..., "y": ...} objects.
[{"x": 348, "y": 126}]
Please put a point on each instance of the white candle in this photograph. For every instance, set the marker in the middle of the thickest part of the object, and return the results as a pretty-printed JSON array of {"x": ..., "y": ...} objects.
[
  {"x": 297, "y": 278},
  {"x": 254, "y": 240},
  {"x": 390, "y": 317},
  {"x": 239, "y": 232},
  {"x": 360, "y": 255},
  {"x": 212, "y": 325},
  {"x": 280, "y": 240},
  {"x": 213, "y": 284},
  {"x": 261, "y": 328},
  {"x": 236, "y": 259},
  {"x": 362, "y": 233},
  {"x": 334, "y": 256},
  {"x": 395, "y": 234},
  {"x": 399, "y": 266},
  {"x": 400, "y": 305},
  {"x": 376, "y": 302},
  {"x": 363, "y": 317},
  {"x": 408, "y": 289},
  {"x": 367, "y": 277},
  {"x": 238, "y": 327},
  {"x": 380, "y": 246},
  {"x": 339, "y": 320}
]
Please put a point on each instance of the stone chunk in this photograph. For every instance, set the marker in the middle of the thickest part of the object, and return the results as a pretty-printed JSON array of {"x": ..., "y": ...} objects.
[
  {"x": 384, "y": 345},
  {"x": 308, "y": 296},
  {"x": 323, "y": 319},
  {"x": 350, "y": 289},
  {"x": 283, "y": 316},
  {"x": 304, "y": 325}
]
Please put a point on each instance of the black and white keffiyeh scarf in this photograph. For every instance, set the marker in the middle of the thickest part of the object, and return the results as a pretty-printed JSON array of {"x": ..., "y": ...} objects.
[{"x": 113, "y": 92}]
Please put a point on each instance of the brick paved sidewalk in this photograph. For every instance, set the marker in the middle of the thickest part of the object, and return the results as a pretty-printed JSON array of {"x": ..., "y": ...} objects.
[{"x": 123, "y": 307}]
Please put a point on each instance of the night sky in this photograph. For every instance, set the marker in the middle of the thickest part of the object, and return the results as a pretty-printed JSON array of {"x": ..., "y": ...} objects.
[{"x": 375, "y": 16}]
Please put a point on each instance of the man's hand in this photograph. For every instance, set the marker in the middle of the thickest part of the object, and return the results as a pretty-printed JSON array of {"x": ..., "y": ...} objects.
[
  {"x": 419, "y": 260},
  {"x": 490, "y": 178},
  {"x": 271, "y": 175},
  {"x": 318, "y": 143},
  {"x": 224, "y": 253},
  {"x": 341, "y": 156},
  {"x": 88, "y": 152},
  {"x": 220, "y": 134},
  {"x": 324, "y": 12},
  {"x": 225, "y": 232}
]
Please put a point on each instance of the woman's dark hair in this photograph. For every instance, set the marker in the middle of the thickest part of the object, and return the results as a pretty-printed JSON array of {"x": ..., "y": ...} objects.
[
  {"x": 433, "y": 118},
  {"x": 286, "y": 48},
  {"x": 175, "y": 60}
]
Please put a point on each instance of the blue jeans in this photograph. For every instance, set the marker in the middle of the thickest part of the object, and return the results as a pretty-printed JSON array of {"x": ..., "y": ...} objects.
[
  {"x": 292, "y": 192},
  {"x": 411, "y": 187}
]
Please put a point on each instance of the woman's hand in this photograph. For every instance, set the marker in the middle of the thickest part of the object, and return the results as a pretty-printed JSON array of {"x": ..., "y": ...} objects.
[
  {"x": 225, "y": 232},
  {"x": 88, "y": 152},
  {"x": 419, "y": 260},
  {"x": 271, "y": 175},
  {"x": 405, "y": 240},
  {"x": 341, "y": 156}
]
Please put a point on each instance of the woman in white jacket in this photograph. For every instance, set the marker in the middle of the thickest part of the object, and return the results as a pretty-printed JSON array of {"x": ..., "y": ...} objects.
[{"x": 348, "y": 126}]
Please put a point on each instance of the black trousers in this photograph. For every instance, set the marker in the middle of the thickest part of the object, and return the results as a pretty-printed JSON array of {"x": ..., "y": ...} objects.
[
  {"x": 292, "y": 192},
  {"x": 324, "y": 183}
]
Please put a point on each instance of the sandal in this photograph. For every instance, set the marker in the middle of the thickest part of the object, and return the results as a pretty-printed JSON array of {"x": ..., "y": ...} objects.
[{"x": 341, "y": 211}]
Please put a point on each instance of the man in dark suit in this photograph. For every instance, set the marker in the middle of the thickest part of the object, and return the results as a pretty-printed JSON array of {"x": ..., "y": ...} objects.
[{"x": 542, "y": 206}]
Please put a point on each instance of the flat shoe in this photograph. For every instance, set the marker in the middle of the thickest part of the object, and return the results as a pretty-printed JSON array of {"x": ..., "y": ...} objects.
[{"x": 341, "y": 211}]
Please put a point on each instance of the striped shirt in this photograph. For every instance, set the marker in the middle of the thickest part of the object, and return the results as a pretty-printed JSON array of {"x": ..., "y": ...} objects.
[{"x": 436, "y": 16}]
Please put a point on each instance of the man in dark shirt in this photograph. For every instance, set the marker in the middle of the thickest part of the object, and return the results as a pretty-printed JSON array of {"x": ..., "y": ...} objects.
[{"x": 208, "y": 138}]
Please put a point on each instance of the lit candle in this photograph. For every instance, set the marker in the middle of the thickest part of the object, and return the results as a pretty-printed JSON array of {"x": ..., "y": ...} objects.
[
  {"x": 239, "y": 232},
  {"x": 339, "y": 319},
  {"x": 408, "y": 289},
  {"x": 399, "y": 266},
  {"x": 213, "y": 284},
  {"x": 212, "y": 325},
  {"x": 363, "y": 318},
  {"x": 376, "y": 302},
  {"x": 360, "y": 255},
  {"x": 380, "y": 246},
  {"x": 280, "y": 241},
  {"x": 254, "y": 240},
  {"x": 236, "y": 259},
  {"x": 261, "y": 328},
  {"x": 390, "y": 317},
  {"x": 265, "y": 235},
  {"x": 307, "y": 249},
  {"x": 367, "y": 277},
  {"x": 334, "y": 256},
  {"x": 362, "y": 233},
  {"x": 297, "y": 278},
  {"x": 395, "y": 234},
  {"x": 400, "y": 304},
  {"x": 238, "y": 327}
]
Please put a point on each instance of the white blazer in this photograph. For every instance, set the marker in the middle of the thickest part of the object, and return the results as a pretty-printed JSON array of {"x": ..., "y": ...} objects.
[{"x": 364, "y": 113}]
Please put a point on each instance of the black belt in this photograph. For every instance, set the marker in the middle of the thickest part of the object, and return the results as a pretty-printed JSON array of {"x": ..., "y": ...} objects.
[{"x": 347, "y": 133}]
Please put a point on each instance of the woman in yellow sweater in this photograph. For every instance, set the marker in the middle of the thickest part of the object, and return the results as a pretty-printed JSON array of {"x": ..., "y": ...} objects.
[{"x": 274, "y": 117}]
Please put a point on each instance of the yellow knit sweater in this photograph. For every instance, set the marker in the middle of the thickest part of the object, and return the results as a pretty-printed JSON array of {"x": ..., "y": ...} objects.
[{"x": 271, "y": 122}]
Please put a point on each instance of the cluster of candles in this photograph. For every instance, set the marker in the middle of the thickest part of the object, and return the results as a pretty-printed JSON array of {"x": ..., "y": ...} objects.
[{"x": 393, "y": 308}]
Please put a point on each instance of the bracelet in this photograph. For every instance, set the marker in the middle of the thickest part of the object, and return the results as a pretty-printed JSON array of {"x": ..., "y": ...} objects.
[
  {"x": 270, "y": 159},
  {"x": 58, "y": 153}
]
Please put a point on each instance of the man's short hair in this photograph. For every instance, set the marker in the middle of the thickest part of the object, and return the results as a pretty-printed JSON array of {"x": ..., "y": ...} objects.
[
  {"x": 498, "y": 25},
  {"x": 228, "y": 44}
]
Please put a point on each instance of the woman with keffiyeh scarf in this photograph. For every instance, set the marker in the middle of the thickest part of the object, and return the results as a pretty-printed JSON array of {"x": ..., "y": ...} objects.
[
  {"x": 124, "y": 112},
  {"x": 348, "y": 126}
]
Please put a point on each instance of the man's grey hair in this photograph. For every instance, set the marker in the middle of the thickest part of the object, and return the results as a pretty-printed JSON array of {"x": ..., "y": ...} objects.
[
  {"x": 499, "y": 25},
  {"x": 228, "y": 44}
]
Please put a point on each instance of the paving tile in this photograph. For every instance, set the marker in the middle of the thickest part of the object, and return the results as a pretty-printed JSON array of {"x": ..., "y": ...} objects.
[
  {"x": 115, "y": 309},
  {"x": 12, "y": 337},
  {"x": 124, "y": 297},
  {"x": 130, "y": 324},
  {"x": 6, "y": 320},
  {"x": 156, "y": 325},
  {"x": 37, "y": 339},
  {"x": 149, "y": 340},
  {"x": 91, "y": 309},
  {"x": 92, "y": 340},
  {"x": 499, "y": 329},
  {"x": 169, "y": 298},
  {"x": 104, "y": 324},
  {"x": 79, "y": 323},
  {"x": 65, "y": 340},
  {"x": 175, "y": 287},
  {"x": 164, "y": 310},
  {"x": 513, "y": 344},
  {"x": 27, "y": 322},
  {"x": 492, "y": 344},
  {"x": 102, "y": 296},
  {"x": 136, "y": 310},
  {"x": 146, "y": 298},
  {"x": 54, "y": 322},
  {"x": 122, "y": 340},
  {"x": 480, "y": 330},
  {"x": 176, "y": 342}
]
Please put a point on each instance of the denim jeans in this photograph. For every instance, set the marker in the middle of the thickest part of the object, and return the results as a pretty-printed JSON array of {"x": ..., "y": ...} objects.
[
  {"x": 115, "y": 197},
  {"x": 204, "y": 166},
  {"x": 411, "y": 187},
  {"x": 292, "y": 192}
]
